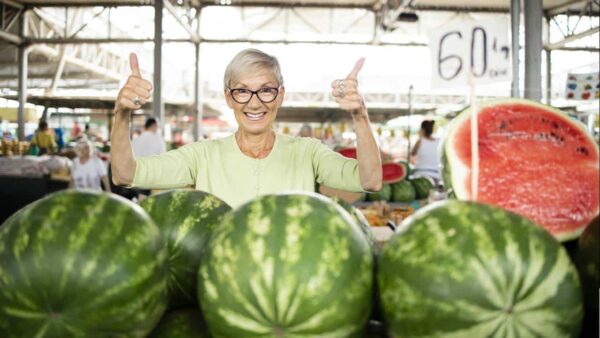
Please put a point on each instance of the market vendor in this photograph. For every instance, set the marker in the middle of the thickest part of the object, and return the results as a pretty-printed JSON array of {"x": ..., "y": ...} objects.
[{"x": 255, "y": 160}]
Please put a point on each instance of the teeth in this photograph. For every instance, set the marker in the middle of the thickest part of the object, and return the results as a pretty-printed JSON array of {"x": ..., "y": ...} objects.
[{"x": 255, "y": 117}]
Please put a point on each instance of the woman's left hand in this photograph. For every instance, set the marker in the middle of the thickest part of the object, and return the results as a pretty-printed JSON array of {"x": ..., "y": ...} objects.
[{"x": 345, "y": 91}]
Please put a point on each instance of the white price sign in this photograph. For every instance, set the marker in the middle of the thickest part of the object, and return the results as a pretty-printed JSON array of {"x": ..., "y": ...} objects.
[{"x": 462, "y": 48}]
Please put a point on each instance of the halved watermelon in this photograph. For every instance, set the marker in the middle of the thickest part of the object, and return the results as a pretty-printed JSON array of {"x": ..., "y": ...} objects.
[
  {"x": 348, "y": 152},
  {"x": 394, "y": 172},
  {"x": 533, "y": 160}
]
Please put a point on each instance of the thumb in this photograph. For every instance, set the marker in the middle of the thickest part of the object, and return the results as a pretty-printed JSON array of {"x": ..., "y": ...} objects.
[
  {"x": 357, "y": 67},
  {"x": 134, "y": 65}
]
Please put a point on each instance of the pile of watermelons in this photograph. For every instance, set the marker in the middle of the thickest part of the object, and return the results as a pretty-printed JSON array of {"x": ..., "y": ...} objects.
[
  {"x": 399, "y": 187},
  {"x": 184, "y": 264}
]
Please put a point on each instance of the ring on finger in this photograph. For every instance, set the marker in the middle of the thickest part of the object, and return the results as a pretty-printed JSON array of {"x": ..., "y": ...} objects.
[
  {"x": 136, "y": 101},
  {"x": 340, "y": 83}
]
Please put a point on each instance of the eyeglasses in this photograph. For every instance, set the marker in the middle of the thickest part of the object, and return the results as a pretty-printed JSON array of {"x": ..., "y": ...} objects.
[{"x": 265, "y": 95}]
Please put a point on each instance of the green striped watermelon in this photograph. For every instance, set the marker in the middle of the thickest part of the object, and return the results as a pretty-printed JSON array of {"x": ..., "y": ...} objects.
[
  {"x": 587, "y": 261},
  {"x": 186, "y": 218},
  {"x": 385, "y": 194},
  {"x": 461, "y": 269},
  {"x": 81, "y": 264},
  {"x": 185, "y": 323},
  {"x": 534, "y": 160},
  {"x": 291, "y": 265},
  {"x": 403, "y": 191},
  {"x": 361, "y": 221}
]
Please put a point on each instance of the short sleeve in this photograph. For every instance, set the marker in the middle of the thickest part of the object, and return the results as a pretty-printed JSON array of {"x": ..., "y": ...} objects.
[
  {"x": 173, "y": 169},
  {"x": 334, "y": 170}
]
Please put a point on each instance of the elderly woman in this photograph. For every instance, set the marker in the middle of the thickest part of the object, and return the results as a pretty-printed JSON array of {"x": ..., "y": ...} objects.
[
  {"x": 88, "y": 170},
  {"x": 255, "y": 160}
]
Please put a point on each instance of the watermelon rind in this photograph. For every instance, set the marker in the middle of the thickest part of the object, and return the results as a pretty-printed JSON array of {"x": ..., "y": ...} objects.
[
  {"x": 186, "y": 218},
  {"x": 288, "y": 265},
  {"x": 463, "y": 269},
  {"x": 455, "y": 171},
  {"x": 81, "y": 264},
  {"x": 587, "y": 260}
]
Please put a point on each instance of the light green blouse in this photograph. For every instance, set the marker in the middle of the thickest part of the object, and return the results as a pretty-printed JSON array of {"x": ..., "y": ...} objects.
[{"x": 219, "y": 167}]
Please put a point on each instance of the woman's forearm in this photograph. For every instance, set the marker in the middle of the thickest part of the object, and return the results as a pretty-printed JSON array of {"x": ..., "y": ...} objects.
[
  {"x": 121, "y": 152},
  {"x": 367, "y": 153}
]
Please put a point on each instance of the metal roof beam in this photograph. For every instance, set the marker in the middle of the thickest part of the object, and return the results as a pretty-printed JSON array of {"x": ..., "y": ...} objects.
[
  {"x": 171, "y": 9},
  {"x": 13, "y": 4},
  {"x": 287, "y": 4},
  {"x": 565, "y": 7},
  {"x": 88, "y": 4},
  {"x": 10, "y": 37},
  {"x": 572, "y": 37}
]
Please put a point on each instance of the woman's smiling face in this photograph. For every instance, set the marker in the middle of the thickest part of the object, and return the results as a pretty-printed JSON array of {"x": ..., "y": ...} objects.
[{"x": 255, "y": 116}]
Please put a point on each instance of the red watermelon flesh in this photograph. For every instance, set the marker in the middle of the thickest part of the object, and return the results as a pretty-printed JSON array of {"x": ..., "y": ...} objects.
[
  {"x": 533, "y": 160},
  {"x": 393, "y": 172},
  {"x": 348, "y": 152}
]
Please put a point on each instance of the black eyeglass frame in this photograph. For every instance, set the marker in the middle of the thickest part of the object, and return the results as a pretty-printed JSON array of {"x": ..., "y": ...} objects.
[{"x": 254, "y": 92}]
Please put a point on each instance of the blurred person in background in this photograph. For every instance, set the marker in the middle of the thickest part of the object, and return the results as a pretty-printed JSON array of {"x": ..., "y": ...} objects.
[
  {"x": 88, "y": 171},
  {"x": 426, "y": 152},
  {"x": 43, "y": 139},
  {"x": 149, "y": 142},
  {"x": 255, "y": 160},
  {"x": 305, "y": 131}
]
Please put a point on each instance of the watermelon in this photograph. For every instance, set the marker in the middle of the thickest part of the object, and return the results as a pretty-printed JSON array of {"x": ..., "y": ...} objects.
[
  {"x": 464, "y": 269},
  {"x": 587, "y": 260},
  {"x": 361, "y": 221},
  {"x": 385, "y": 194},
  {"x": 422, "y": 186},
  {"x": 533, "y": 160},
  {"x": 403, "y": 191},
  {"x": 349, "y": 152},
  {"x": 394, "y": 172},
  {"x": 81, "y": 263},
  {"x": 186, "y": 218},
  {"x": 185, "y": 323},
  {"x": 290, "y": 265}
]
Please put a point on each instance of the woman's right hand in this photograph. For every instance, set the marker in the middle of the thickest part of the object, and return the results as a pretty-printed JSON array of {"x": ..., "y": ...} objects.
[{"x": 136, "y": 91}]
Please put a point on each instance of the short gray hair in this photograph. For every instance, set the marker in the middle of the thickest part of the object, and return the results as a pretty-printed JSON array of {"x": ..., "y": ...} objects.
[
  {"x": 85, "y": 143},
  {"x": 250, "y": 60}
]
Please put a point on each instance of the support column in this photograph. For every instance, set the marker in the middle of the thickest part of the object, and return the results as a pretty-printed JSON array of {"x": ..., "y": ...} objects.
[
  {"x": 515, "y": 21},
  {"x": 548, "y": 65},
  {"x": 533, "y": 49},
  {"x": 197, "y": 103},
  {"x": 157, "y": 104},
  {"x": 22, "y": 95},
  {"x": 197, "y": 132}
]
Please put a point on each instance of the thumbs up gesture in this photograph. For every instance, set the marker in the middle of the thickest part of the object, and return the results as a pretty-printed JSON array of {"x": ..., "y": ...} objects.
[
  {"x": 346, "y": 94},
  {"x": 136, "y": 91}
]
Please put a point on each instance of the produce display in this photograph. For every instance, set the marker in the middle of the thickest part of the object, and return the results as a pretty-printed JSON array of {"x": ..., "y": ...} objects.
[
  {"x": 186, "y": 219},
  {"x": 286, "y": 265},
  {"x": 185, "y": 264},
  {"x": 81, "y": 264},
  {"x": 186, "y": 323},
  {"x": 533, "y": 160},
  {"x": 462, "y": 269}
]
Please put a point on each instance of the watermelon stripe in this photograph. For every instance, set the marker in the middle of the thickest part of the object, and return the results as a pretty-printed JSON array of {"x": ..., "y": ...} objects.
[
  {"x": 465, "y": 270},
  {"x": 263, "y": 292},
  {"x": 80, "y": 263}
]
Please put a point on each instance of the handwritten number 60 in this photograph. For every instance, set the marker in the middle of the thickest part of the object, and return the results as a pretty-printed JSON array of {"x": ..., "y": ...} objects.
[{"x": 476, "y": 32}]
